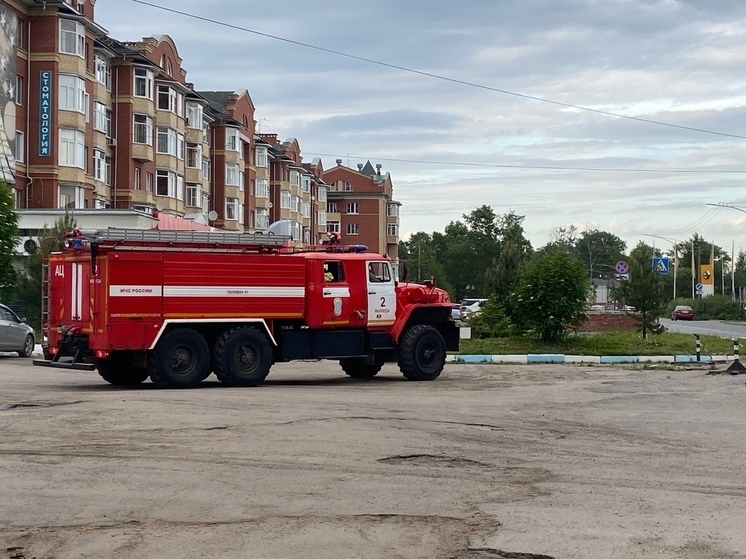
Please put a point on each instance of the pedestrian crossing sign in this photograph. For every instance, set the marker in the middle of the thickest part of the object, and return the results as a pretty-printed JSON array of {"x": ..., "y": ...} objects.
[{"x": 661, "y": 264}]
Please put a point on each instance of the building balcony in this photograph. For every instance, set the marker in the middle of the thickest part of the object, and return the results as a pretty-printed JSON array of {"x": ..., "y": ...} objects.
[
  {"x": 167, "y": 118},
  {"x": 142, "y": 152}
]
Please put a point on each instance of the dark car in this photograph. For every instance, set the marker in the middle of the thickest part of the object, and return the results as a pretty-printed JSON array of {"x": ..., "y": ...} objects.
[
  {"x": 682, "y": 312},
  {"x": 15, "y": 334}
]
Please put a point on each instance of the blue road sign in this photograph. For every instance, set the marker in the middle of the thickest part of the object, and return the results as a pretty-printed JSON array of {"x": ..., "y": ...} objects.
[
  {"x": 698, "y": 287},
  {"x": 661, "y": 264}
]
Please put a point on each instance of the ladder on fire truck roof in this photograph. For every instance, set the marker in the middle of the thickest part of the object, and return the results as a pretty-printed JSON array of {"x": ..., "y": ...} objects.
[{"x": 189, "y": 237}]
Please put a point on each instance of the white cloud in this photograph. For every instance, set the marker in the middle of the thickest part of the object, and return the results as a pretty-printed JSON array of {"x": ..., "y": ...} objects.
[{"x": 677, "y": 62}]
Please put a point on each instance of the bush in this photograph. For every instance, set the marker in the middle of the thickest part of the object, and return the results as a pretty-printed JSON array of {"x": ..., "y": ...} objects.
[
  {"x": 716, "y": 307},
  {"x": 491, "y": 322}
]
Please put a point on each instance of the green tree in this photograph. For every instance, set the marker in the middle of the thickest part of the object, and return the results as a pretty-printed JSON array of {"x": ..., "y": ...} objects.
[
  {"x": 8, "y": 235},
  {"x": 600, "y": 250},
  {"x": 644, "y": 289},
  {"x": 422, "y": 261},
  {"x": 550, "y": 296},
  {"x": 28, "y": 287}
]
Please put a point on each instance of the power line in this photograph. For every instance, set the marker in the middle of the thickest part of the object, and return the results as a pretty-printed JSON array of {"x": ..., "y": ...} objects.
[
  {"x": 531, "y": 167},
  {"x": 435, "y": 76}
]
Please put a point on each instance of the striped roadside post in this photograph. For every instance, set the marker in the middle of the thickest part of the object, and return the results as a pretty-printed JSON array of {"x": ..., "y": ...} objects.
[
  {"x": 698, "y": 347},
  {"x": 736, "y": 367}
]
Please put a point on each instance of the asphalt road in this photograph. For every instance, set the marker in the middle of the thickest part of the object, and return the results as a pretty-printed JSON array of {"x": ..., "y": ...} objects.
[
  {"x": 489, "y": 461},
  {"x": 706, "y": 327}
]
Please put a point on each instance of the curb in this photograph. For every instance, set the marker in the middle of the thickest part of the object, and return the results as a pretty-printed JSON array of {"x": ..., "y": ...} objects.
[{"x": 543, "y": 358}]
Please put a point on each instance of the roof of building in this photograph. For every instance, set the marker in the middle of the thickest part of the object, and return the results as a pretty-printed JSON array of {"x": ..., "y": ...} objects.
[{"x": 168, "y": 222}]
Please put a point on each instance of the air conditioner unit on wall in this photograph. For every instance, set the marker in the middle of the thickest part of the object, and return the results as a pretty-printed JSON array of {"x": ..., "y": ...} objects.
[{"x": 111, "y": 141}]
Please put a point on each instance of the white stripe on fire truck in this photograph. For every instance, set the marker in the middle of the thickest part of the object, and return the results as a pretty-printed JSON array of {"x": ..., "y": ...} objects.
[
  {"x": 204, "y": 291},
  {"x": 232, "y": 291}
]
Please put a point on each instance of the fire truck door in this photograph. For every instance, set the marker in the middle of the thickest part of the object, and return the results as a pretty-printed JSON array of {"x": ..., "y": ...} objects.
[
  {"x": 336, "y": 294},
  {"x": 381, "y": 295}
]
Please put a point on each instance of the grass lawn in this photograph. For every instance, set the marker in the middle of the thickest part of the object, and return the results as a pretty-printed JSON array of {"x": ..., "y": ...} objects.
[{"x": 625, "y": 342}]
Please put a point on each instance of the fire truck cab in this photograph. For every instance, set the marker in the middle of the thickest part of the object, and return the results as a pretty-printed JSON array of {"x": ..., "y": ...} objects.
[{"x": 177, "y": 306}]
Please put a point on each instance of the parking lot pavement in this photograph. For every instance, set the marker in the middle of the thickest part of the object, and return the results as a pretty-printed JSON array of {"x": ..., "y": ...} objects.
[{"x": 488, "y": 461}]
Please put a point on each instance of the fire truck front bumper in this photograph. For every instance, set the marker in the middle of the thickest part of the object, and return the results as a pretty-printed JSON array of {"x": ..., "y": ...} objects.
[{"x": 65, "y": 363}]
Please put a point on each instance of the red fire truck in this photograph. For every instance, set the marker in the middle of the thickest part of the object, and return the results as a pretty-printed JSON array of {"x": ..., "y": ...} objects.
[{"x": 177, "y": 306}]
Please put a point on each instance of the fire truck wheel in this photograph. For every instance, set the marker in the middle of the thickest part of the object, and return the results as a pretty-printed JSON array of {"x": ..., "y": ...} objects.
[
  {"x": 242, "y": 356},
  {"x": 181, "y": 359},
  {"x": 355, "y": 367},
  {"x": 118, "y": 370},
  {"x": 422, "y": 353}
]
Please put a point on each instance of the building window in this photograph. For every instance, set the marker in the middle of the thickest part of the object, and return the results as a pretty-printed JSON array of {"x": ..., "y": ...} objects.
[
  {"x": 232, "y": 139},
  {"x": 305, "y": 209},
  {"x": 241, "y": 180},
  {"x": 392, "y": 229},
  {"x": 353, "y": 208},
  {"x": 72, "y": 93},
  {"x": 17, "y": 95},
  {"x": 206, "y": 167},
  {"x": 321, "y": 194},
  {"x": 261, "y": 156},
  {"x": 72, "y": 37},
  {"x": 194, "y": 115},
  {"x": 392, "y": 210},
  {"x": 331, "y": 207},
  {"x": 143, "y": 83},
  {"x": 180, "y": 146},
  {"x": 143, "y": 131},
  {"x": 137, "y": 184},
  {"x": 321, "y": 217},
  {"x": 262, "y": 218},
  {"x": 353, "y": 229},
  {"x": 295, "y": 203},
  {"x": 179, "y": 187},
  {"x": 294, "y": 178},
  {"x": 305, "y": 184},
  {"x": 193, "y": 156},
  {"x": 19, "y": 33},
  {"x": 101, "y": 118},
  {"x": 231, "y": 174},
  {"x": 193, "y": 195},
  {"x": 101, "y": 166},
  {"x": 262, "y": 188},
  {"x": 72, "y": 148},
  {"x": 103, "y": 71},
  {"x": 285, "y": 199},
  {"x": 332, "y": 226},
  {"x": 148, "y": 182},
  {"x": 167, "y": 99},
  {"x": 165, "y": 183},
  {"x": 71, "y": 197},
  {"x": 295, "y": 230},
  {"x": 20, "y": 147},
  {"x": 231, "y": 208},
  {"x": 167, "y": 141}
]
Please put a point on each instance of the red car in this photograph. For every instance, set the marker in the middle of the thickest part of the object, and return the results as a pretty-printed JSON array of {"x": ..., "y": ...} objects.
[{"x": 682, "y": 312}]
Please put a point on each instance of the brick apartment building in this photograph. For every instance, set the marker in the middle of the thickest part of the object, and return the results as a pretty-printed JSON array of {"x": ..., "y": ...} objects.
[{"x": 92, "y": 122}]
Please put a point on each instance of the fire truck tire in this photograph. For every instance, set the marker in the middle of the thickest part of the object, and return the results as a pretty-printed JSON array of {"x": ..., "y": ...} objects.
[
  {"x": 181, "y": 359},
  {"x": 118, "y": 370},
  {"x": 242, "y": 356},
  {"x": 355, "y": 367},
  {"x": 422, "y": 353}
]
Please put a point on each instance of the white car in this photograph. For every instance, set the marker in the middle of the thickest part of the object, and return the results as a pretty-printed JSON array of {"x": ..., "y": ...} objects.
[
  {"x": 15, "y": 334},
  {"x": 469, "y": 306}
]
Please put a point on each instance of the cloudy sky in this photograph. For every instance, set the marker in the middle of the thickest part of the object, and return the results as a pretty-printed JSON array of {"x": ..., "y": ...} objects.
[{"x": 482, "y": 117}]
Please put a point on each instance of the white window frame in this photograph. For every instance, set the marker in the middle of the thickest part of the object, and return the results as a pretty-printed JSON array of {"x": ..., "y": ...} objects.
[
  {"x": 353, "y": 229},
  {"x": 206, "y": 167},
  {"x": 261, "y": 157},
  {"x": 321, "y": 194},
  {"x": 332, "y": 227},
  {"x": 262, "y": 218},
  {"x": 231, "y": 209},
  {"x": 392, "y": 210},
  {"x": 353, "y": 208},
  {"x": 167, "y": 99},
  {"x": 194, "y": 155},
  {"x": 102, "y": 71},
  {"x": 166, "y": 140},
  {"x": 305, "y": 209},
  {"x": 149, "y": 182},
  {"x": 71, "y": 148},
  {"x": 146, "y": 127},
  {"x": 285, "y": 199},
  {"x": 72, "y": 94},
  {"x": 392, "y": 229},
  {"x": 232, "y": 174},
  {"x": 321, "y": 217},
  {"x": 295, "y": 203},
  {"x": 72, "y": 39},
  {"x": 17, "y": 95},
  {"x": 70, "y": 196},
  {"x": 138, "y": 175},
  {"x": 20, "y": 153},
  {"x": 193, "y": 195},
  {"x": 101, "y": 117},
  {"x": 305, "y": 184},
  {"x": 261, "y": 187},
  {"x": 143, "y": 79},
  {"x": 331, "y": 207},
  {"x": 101, "y": 166},
  {"x": 294, "y": 178},
  {"x": 194, "y": 115},
  {"x": 232, "y": 139},
  {"x": 169, "y": 182},
  {"x": 180, "y": 143}
]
